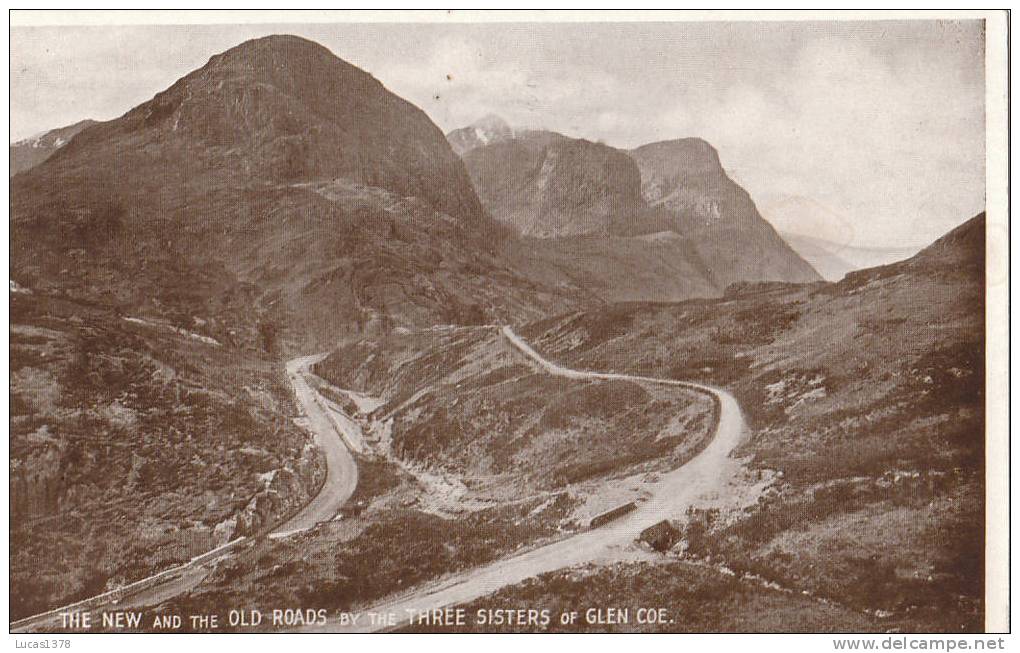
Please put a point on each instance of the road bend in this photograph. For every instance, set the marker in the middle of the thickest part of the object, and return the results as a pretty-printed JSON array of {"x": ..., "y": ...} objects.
[
  {"x": 671, "y": 495},
  {"x": 331, "y": 436}
]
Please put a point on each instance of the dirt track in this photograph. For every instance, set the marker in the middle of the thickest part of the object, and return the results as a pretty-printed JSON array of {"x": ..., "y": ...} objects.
[
  {"x": 670, "y": 496},
  {"x": 341, "y": 470},
  {"x": 341, "y": 480}
]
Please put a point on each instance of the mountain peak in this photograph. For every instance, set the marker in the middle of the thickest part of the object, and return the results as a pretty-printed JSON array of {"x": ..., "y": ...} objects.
[
  {"x": 964, "y": 246},
  {"x": 691, "y": 156},
  {"x": 289, "y": 63},
  {"x": 283, "y": 109},
  {"x": 280, "y": 42},
  {"x": 488, "y": 129},
  {"x": 277, "y": 50},
  {"x": 493, "y": 123}
]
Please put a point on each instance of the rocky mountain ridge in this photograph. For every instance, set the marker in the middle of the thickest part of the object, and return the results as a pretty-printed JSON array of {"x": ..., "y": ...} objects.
[
  {"x": 664, "y": 221},
  {"x": 488, "y": 129},
  {"x": 30, "y": 152},
  {"x": 276, "y": 185}
]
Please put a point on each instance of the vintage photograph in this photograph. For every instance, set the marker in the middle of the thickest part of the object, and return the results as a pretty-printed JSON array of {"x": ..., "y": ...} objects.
[{"x": 459, "y": 323}]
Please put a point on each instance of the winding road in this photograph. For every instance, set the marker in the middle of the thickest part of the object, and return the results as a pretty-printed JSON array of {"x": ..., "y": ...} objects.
[
  {"x": 341, "y": 480},
  {"x": 341, "y": 470},
  {"x": 670, "y": 497}
]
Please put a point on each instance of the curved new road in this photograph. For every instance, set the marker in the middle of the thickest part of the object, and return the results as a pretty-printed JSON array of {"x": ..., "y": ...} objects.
[
  {"x": 670, "y": 497},
  {"x": 332, "y": 437},
  {"x": 341, "y": 470}
]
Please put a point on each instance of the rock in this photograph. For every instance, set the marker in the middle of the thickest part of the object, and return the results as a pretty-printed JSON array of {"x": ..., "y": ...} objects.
[
  {"x": 547, "y": 185},
  {"x": 660, "y": 537},
  {"x": 490, "y": 129}
]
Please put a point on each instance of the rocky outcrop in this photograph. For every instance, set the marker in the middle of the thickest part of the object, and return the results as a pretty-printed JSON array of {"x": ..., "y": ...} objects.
[
  {"x": 487, "y": 130},
  {"x": 547, "y": 185},
  {"x": 684, "y": 180},
  {"x": 35, "y": 484},
  {"x": 284, "y": 491}
]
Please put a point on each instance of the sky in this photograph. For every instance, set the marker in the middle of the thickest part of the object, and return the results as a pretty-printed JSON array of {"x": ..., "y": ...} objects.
[{"x": 867, "y": 133}]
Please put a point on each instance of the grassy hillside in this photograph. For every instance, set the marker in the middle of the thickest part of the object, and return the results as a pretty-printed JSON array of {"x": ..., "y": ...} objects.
[
  {"x": 866, "y": 399},
  {"x": 472, "y": 455},
  {"x": 466, "y": 402},
  {"x": 135, "y": 446}
]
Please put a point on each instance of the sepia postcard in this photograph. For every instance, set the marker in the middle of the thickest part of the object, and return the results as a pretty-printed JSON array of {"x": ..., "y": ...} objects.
[{"x": 509, "y": 322}]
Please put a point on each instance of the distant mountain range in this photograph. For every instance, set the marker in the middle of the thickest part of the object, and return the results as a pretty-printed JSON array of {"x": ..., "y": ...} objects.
[
  {"x": 276, "y": 184},
  {"x": 32, "y": 151},
  {"x": 833, "y": 260},
  {"x": 280, "y": 184},
  {"x": 662, "y": 222},
  {"x": 825, "y": 238}
]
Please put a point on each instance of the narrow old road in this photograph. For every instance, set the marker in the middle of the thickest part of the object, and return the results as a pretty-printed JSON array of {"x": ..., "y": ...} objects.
[
  {"x": 341, "y": 470},
  {"x": 670, "y": 496},
  {"x": 331, "y": 437}
]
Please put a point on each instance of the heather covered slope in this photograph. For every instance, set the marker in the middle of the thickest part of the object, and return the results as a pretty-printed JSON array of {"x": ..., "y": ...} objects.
[
  {"x": 866, "y": 400},
  {"x": 135, "y": 446},
  {"x": 275, "y": 187},
  {"x": 339, "y": 260},
  {"x": 825, "y": 257},
  {"x": 280, "y": 109}
]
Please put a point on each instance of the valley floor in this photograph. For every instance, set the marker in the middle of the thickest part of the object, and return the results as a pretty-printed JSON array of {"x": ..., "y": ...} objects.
[
  {"x": 421, "y": 529},
  {"x": 709, "y": 471}
]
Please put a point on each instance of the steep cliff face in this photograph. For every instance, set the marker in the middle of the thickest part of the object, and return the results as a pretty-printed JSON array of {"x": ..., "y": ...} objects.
[
  {"x": 663, "y": 222},
  {"x": 867, "y": 396},
  {"x": 685, "y": 179},
  {"x": 277, "y": 183},
  {"x": 284, "y": 491},
  {"x": 547, "y": 185}
]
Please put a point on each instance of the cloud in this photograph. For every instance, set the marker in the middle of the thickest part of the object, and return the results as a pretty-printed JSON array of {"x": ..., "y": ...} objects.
[
  {"x": 881, "y": 121},
  {"x": 463, "y": 79},
  {"x": 893, "y": 141}
]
